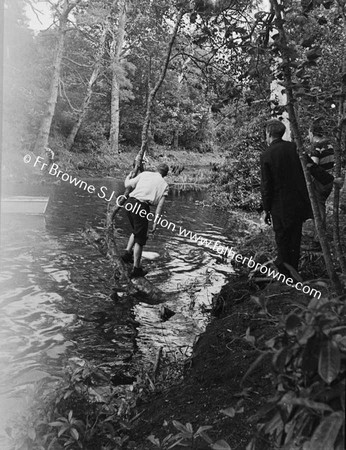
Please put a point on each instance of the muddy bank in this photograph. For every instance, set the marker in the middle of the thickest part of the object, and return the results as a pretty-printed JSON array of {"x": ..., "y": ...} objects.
[{"x": 213, "y": 380}]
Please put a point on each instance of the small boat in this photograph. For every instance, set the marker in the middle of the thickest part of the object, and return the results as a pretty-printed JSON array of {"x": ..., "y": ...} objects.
[{"x": 24, "y": 205}]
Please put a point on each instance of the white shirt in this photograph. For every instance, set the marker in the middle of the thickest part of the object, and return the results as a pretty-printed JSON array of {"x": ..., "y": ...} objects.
[{"x": 148, "y": 187}]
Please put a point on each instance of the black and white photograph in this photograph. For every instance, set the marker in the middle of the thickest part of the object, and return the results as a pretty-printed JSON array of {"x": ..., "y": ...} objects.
[{"x": 173, "y": 224}]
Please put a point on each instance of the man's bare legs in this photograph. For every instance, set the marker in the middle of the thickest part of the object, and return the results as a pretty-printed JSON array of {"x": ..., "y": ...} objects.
[
  {"x": 137, "y": 251},
  {"x": 137, "y": 255},
  {"x": 130, "y": 243}
]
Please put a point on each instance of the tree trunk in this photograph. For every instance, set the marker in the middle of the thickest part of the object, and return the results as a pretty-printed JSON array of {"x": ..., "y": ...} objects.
[
  {"x": 299, "y": 141},
  {"x": 153, "y": 93},
  {"x": 89, "y": 92},
  {"x": 44, "y": 131},
  {"x": 338, "y": 171},
  {"x": 176, "y": 132},
  {"x": 115, "y": 99},
  {"x": 146, "y": 124}
]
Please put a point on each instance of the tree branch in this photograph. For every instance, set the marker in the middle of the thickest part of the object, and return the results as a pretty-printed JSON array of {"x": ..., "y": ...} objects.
[{"x": 76, "y": 63}]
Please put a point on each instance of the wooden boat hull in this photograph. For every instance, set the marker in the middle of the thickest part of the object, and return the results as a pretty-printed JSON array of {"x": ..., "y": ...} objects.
[{"x": 24, "y": 205}]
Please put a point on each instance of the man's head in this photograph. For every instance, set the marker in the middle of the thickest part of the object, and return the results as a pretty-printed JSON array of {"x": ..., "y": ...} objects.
[
  {"x": 275, "y": 129},
  {"x": 163, "y": 169}
]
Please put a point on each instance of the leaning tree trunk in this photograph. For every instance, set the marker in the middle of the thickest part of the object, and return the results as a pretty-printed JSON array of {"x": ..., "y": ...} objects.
[
  {"x": 146, "y": 124},
  {"x": 115, "y": 95},
  {"x": 44, "y": 131},
  {"x": 338, "y": 170},
  {"x": 152, "y": 94},
  {"x": 299, "y": 141},
  {"x": 86, "y": 102}
]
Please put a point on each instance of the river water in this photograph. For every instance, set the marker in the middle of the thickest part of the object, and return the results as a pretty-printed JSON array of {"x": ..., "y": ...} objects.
[{"x": 56, "y": 303}]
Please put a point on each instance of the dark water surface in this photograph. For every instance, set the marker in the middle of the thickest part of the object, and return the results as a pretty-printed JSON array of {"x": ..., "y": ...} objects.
[{"x": 55, "y": 300}]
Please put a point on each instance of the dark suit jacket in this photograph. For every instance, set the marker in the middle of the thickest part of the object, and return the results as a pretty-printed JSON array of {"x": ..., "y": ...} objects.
[{"x": 283, "y": 186}]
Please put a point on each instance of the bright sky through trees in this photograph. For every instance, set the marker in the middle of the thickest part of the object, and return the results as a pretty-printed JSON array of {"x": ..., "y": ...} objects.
[{"x": 41, "y": 19}]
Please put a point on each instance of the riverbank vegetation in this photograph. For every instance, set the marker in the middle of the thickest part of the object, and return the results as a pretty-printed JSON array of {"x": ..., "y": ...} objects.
[{"x": 189, "y": 83}]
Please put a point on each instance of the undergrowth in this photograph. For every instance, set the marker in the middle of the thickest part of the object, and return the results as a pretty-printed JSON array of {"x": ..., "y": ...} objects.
[{"x": 308, "y": 359}]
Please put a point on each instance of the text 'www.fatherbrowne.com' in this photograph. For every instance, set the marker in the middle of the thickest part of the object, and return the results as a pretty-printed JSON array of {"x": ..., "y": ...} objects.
[{"x": 250, "y": 262}]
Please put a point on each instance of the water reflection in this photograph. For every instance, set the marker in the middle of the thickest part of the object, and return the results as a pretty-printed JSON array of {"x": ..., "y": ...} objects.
[{"x": 55, "y": 289}]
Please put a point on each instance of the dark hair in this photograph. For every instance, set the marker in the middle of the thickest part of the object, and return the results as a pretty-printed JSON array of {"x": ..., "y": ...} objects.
[
  {"x": 275, "y": 128},
  {"x": 163, "y": 169},
  {"x": 317, "y": 129}
]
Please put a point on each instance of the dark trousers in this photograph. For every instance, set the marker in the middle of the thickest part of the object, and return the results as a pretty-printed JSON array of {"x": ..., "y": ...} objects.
[
  {"x": 288, "y": 237},
  {"x": 322, "y": 192}
]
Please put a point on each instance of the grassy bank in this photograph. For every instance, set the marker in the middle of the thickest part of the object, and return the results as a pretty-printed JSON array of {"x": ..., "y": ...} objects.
[{"x": 197, "y": 166}]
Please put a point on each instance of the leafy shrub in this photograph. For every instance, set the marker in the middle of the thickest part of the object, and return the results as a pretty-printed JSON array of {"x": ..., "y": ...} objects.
[
  {"x": 80, "y": 411},
  {"x": 239, "y": 176},
  {"x": 187, "y": 437},
  {"x": 308, "y": 357}
]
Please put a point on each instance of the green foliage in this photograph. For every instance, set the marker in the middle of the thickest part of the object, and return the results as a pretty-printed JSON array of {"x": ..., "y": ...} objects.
[
  {"x": 186, "y": 437},
  {"x": 237, "y": 180},
  {"x": 81, "y": 411},
  {"x": 317, "y": 63},
  {"x": 308, "y": 357}
]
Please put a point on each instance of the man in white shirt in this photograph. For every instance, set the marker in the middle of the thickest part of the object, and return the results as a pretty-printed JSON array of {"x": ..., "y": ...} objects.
[{"x": 149, "y": 188}]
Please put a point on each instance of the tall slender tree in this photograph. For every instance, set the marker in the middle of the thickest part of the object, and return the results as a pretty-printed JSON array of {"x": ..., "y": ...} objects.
[
  {"x": 116, "y": 51},
  {"x": 340, "y": 146},
  {"x": 46, "y": 123},
  {"x": 89, "y": 91}
]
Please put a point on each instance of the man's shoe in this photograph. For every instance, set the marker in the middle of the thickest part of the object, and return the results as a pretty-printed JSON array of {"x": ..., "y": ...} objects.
[
  {"x": 138, "y": 272},
  {"x": 127, "y": 257}
]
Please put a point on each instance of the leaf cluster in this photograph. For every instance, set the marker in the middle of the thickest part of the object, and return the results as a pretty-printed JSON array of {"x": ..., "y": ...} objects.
[
  {"x": 308, "y": 358},
  {"x": 80, "y": 411},
  {"x": 237, "y": 180},
  {"x": 187, "y": 437}
]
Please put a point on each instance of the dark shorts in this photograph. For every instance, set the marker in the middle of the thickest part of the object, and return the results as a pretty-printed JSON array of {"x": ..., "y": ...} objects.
[
  {"x": 323, "y": 191},
  {"x": 139, "y": 224}
]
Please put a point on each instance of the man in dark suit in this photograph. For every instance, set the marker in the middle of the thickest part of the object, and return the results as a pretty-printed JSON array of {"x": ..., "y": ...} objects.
[{"x": 284, "y": 195}]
